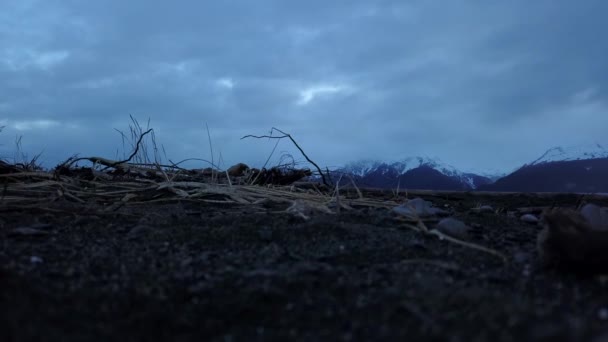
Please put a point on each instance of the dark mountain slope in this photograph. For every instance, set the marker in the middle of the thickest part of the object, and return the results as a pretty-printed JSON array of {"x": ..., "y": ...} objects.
[{"x": 590, "y": 175}]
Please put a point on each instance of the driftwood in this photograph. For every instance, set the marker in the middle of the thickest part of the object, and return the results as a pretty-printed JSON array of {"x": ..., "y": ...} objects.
[
  {"x": 569, "y": 242},
  {"x": 277, "y": 176},
  {"x": 7, "y": 168}
]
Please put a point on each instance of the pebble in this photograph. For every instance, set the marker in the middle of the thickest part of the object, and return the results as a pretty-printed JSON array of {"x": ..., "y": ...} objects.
[
  {"x": 36, "y": 259},
  {"x": 139, "y": 231},
  {"x": 529, "y": 218},
  {"x": 453, "y": 227}
]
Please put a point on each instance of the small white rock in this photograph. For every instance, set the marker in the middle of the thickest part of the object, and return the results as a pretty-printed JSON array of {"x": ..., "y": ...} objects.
[
  {"x": 453, "y": 227},
  {"x": 529, "y": 218}
]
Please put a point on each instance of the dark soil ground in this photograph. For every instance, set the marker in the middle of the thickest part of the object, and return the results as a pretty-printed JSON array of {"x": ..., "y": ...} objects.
[{"x": 193, "y": 271}]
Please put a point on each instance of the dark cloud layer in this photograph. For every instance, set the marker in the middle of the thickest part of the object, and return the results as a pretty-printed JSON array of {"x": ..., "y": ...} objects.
[{"x": 459, "y": 80}]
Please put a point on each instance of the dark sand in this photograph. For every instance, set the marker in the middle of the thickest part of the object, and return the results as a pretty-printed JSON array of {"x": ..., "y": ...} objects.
[{"x": 192, "y": 271}]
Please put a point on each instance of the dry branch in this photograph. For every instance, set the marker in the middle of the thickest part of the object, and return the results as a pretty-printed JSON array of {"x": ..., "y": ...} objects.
[
  {"x": 286, "y": 135},
  {"x": 106, "y": 162}
]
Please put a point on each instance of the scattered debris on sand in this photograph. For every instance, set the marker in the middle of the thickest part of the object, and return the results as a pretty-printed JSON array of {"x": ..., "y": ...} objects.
[{"x": 215, "y": 256}]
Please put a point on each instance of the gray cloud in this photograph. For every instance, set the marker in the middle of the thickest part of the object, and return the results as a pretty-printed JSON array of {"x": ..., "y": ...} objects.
[{"x": 456, "y": 79}]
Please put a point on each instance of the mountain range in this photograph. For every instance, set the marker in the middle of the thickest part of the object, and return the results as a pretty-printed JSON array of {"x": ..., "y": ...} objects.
[{"x": 572, "y": 169}]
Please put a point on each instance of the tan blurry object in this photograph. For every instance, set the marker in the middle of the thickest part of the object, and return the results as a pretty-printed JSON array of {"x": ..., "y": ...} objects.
[{"x": 568, "y": 241}]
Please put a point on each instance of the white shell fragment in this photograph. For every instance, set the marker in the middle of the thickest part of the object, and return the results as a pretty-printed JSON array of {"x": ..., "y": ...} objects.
[
  {"x": 305, "y": 209},
  {"x": 486, "y": 209},
  {"x": 36, "y": 259},
  {"x": 418, "y": 207}
]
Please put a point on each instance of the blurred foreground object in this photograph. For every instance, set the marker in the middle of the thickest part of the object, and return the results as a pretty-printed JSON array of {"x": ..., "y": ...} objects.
[{"x": 574, "y": 241}]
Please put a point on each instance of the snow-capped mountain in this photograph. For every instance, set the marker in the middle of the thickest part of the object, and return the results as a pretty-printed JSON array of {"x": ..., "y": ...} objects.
[
  {"x": 571, "y": 169},
  {"x": 559, "y": 169},
  {"x": 363, "y": 167},
  {"x": 580, "y": 152},
  {"x": 413, "y": 173}
]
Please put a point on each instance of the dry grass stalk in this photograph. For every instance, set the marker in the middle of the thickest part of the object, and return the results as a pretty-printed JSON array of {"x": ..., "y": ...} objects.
[
  {"x": 471, "y": 245},
  {"x": 437, "y": 263},
  {"x": 337, "y": 195},
  {"x": 421, "y": 227},
  {"x": 355, "y": 186}
]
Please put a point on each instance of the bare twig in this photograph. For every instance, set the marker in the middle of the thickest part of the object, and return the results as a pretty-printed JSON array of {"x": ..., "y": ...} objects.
[
  {"x": 286, "y": 135},
  {"x": 106, "y": 162},
  {"x": 265, "y": 163},
  {"x": 136, "y": 148}
]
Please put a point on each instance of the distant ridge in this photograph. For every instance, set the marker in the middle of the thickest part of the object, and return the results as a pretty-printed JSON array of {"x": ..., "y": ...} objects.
[
  {"x": 582, "y": 168},
  {"x": 580, "y": 152},
  {"x": 412, "y": 173}
]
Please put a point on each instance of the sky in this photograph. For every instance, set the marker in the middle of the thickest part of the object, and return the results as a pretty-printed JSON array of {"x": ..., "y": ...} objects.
[{"x": 480, "y": 85}]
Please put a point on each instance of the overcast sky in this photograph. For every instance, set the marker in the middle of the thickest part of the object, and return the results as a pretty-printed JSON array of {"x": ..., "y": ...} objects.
[{"x": 478, "y": 84}]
